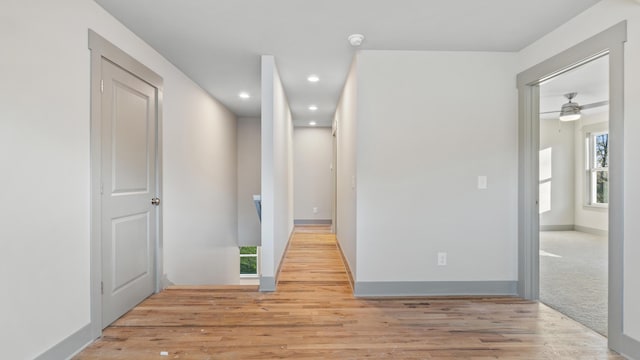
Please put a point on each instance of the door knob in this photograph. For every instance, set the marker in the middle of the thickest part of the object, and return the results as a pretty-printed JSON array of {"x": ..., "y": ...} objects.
[{"x": 155, "y": 201}]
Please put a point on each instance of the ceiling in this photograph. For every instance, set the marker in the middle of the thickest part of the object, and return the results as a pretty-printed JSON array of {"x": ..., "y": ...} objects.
[
  {"x": 590, "y": 81},
  {"x": 218, "y": 43}
]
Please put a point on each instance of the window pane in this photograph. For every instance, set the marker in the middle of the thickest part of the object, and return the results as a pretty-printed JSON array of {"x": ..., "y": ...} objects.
[
  {"x": 602, "y": 187},
  {"x": 248, "y": 250},
  {"x": 601, "y": 150},
  {"x": 248, "y": 265}
]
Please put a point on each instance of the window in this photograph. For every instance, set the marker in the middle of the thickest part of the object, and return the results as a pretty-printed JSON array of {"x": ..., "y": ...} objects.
[
  {"x": 248, "y": 261},
  {"x": 546, "y": 165},
  {"x": 598, "y": 169}
]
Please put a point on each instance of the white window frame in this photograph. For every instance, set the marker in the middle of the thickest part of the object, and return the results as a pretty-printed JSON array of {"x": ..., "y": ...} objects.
[
  {"x": 257, "y": 256},
  {"x": 592, "y": 170}
]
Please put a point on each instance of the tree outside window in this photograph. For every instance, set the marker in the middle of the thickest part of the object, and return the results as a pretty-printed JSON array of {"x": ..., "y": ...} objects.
[
  {"x": 598, "y": 168},
  {"x": 248, "y": 261}
]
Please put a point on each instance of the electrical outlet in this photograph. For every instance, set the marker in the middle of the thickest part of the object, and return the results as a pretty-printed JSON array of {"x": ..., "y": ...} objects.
[
  {"x": 442, "y": 259},
  {"x": 315, "y": 210}
]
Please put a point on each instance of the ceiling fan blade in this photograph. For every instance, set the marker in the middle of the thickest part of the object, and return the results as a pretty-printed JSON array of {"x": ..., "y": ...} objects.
[
  {"x": 549, "y": 112},
  {"x": 594, "y": 105}
]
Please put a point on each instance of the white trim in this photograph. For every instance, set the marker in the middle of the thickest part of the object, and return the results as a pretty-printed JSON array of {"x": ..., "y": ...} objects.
[
  {"x": 603, "y": 207},
  {"x": 249, "y": 276}
]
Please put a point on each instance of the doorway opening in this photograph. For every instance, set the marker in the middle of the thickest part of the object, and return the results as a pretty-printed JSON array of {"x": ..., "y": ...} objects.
[
  {"x": 574, "y": 193},
  {"x": 609, "y": 42}
]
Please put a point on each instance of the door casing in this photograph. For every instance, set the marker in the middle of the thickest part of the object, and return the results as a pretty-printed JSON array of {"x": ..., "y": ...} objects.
[
  {"x": 103, "y": 49},
  {"x": 609, "y": 42}
]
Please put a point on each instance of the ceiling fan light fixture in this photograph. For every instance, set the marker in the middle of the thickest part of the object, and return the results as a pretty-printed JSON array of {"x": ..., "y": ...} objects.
[
  {"x": 572, "y": 117},
  {"x": 570, "y": 112}
]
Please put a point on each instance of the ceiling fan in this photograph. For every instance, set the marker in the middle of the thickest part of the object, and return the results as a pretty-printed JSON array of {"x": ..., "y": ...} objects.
[{"x": 571, "y": 110}]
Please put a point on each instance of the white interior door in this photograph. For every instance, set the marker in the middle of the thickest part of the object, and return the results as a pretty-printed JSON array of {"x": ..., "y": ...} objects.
[{"x": 127, "y": 189}]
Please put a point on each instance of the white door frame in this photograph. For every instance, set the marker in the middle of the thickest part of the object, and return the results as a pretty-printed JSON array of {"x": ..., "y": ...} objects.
[
  {"x": 101, "y": 48},
  {"x": 609, "y": 42}
]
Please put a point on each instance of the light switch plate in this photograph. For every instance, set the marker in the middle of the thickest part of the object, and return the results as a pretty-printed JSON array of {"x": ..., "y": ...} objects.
[{"x": 482, "y": 182}]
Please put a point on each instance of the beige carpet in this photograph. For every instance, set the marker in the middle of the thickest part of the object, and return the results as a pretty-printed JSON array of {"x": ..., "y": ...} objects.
[{"x": 573, "y": 276}]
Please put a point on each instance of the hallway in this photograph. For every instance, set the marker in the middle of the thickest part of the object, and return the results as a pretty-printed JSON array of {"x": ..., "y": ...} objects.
[{"x": 313, "y": 315}]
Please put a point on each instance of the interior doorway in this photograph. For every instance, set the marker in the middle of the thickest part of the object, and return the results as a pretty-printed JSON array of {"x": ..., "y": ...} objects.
[
  {"x": 610, "y": 41},
  {"x": 574, "y": 192},
  {"x": 126, "y": 219}
]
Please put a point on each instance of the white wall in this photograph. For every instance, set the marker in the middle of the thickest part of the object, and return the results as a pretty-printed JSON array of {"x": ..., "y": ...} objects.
[
  {"x": 429, "y": 123},
  {"x": 44, "y": 152},
  {"x": 277, "y": 172},
  {"x": 568, "y": 182},
  {"x": 594, "y": 20},
  {"x": 312, "y": 158},
  {"x": 346, "y": 140},
  {"x": 557, "y": 141},
  {"x": 248, "y": 180},
  {"x": 587, "y": 216},
  {"x": 200, "y": 216}
]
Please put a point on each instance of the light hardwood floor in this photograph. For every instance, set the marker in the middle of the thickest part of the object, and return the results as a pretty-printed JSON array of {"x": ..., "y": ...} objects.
[{"x": 314, "y": 315}]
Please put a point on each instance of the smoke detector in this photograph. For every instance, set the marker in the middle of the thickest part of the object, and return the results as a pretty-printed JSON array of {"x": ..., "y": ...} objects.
[{"x": 356, "y": 39}]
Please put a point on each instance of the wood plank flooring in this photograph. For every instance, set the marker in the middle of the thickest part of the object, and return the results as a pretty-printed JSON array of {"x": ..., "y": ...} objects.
[{"x": 314, "y": 315}]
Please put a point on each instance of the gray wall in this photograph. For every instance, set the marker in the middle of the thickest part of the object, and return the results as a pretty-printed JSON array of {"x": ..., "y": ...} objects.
[
  {"x": 248, "y": 180},
  {"x": 313, "y": 153}
]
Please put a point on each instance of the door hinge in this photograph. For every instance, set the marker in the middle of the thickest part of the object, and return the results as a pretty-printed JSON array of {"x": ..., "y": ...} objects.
[
  {"x": 101, "y": 288},
  {"x": 101, "y": 85},
  {"x": 101, "y": 189}
]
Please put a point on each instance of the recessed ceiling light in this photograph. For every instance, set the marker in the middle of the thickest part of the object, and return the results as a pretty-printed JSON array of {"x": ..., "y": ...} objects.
[
  {"x": 312, "y": 123},
  {"x": 313, "y": 107},
  {"x": 313, "y": 78},
  {"x": 244, "y": 95}
]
